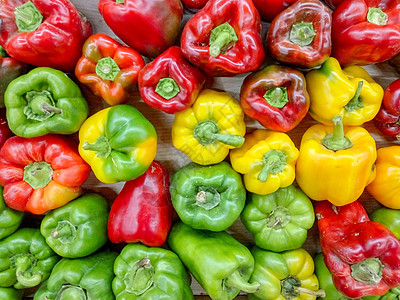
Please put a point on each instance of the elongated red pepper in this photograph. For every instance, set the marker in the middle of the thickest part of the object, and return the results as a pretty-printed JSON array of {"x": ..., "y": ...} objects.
[
  {"x": 365, "y": 31},
  {"x": 363, "y": 256},
  {"x": 276, "y": 97},
  {"x": 269, "y": 9},
  {"x": 223, "y": 38},
  {"x": 142, "y": 212},
  {"x": 44, "y": 33},
  {"x": 110, "y": 69},
  {"x": 169, "y": 83},
  {"x": 300, "y": 35}
]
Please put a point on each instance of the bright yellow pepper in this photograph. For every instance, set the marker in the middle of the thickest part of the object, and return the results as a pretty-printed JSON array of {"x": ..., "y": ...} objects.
[
  {"x": 213, "y": 125},
  {"x": 385, "y": 188},
  {"x": 335, "y": 163},
  {"x": 267, "y": 159},
  {"x": 350, "y": 93}
]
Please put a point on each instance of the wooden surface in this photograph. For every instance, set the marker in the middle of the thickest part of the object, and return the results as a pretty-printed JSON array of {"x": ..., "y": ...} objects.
[{"x": 174, "y": 159}]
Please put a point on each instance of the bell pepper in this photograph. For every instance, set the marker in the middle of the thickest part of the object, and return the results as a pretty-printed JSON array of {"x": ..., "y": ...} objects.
[
  {"x": 276, "y": 97},
  {"x": 25, "y": 259},
  {"x": 78, "y": 228},
  {"x": 385, "y": 187},
  {"x": 353, "y": 23},
  {"x": 11, "y": 294},
  {"x": 220, "y": 264},
  {"x": 118, "y": 142},
  {"x": 387, "y": 119},
  {"x": 279, "y": 221},
  {"x": 150, "y": 273},
  {"x": 43, "y": 33},
  {"x": 287, "y": 275},
  {"x": 267, "y": 159},
  {"x": 89, "y": 277},
  {"x": 44, "y": 101},
  {"x": 108, "y": 68},
  {"x": 213, "y": 125},
  {"x": 155, "y": 24},
  {"x": 142, "y": 211},
  {"x": 335, "y": 163},
  {"x": 300, "y": 35},
  {"x": 269, "y": 9},
  {"x": 10, "y": 219},
  {"x": 42, "y": 173},
  {"x": 194, "y": 4},
  {"x": 224, "y": 38},
  {"x": 5, "y": 131},
  {"x": 350, "y": 93},
  {"x": 388, "y": 217},
  {"x": 363, "y": 256},
  {"x": 170, "y": 83},
  {"x": 208, "y": 197}
]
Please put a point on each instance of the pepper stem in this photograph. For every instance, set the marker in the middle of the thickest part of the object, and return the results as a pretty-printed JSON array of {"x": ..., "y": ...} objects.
[
  {"x": 274, "y": 163},
  {"x": 101, "y": 146},
  {"x": 356, "y": 102},
  {"x": 38, "y": 174},
  {"x": 207, "y": 197},
  {"x": 140, "y": 278},
  {"x": 107, "y": 68},
  {"x": 302, "y": 33},
  {"x": 368, "y": 271},
  {"x": 377, "y": 16},
  {"x": 120, "y": 1},
  {"x": 337, "y": 140},
  {"x": 167, "y": 88},
  {"x": 277, "y": 97},
  {"x": 40, "y": 106},
  {"x": 278, "y": 218},
  {"x": 68, "y": 292},
  {"x": 27, "y": 17},
  {"x": 221, "y": 38},
  {"x": 3, "y": 52},
  {"x": 207, "y": 132},
  {"x": 65, "y": 232},
  {"x": 291, "y": 288},
  {"x": 22, "y": 266},
  {"x": 235, "y": 280}
]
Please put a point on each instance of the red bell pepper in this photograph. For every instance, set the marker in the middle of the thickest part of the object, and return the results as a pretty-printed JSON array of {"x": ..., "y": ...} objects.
[
  {"x": 143, "y": 212},
  {"x": 41, "y": 173},
  {"x": 223, "y": 38},
  {"x": 300, "y": 35},
  {"x": 388, "y": 118},
  {"x": 276, "y": 97},
  {"x": 45, "y": 33},
  {"x": 194, "y": 4},
  {"x": 150, "y": 27},
  {"x": 365, "y": 31},
  {"x": 169, "y": 83},
  {"x": 5, "y": 131},
  {"x": 363, "y": 256},
  {"x": 269, "y": 9},
  {"x": 110, "y": 69}
]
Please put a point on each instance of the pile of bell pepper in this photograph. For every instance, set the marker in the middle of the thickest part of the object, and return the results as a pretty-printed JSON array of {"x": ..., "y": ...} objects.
[{"x": 70, "y": 119}]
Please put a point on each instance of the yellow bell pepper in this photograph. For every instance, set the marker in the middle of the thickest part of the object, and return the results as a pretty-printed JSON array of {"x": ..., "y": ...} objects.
[
  {"x": 267, "y": 159},
  {"x": 385, "y": 188},
  {"x": 350, "y": 93},
  {"x": 213, "y": 125},
  {"x": 335, "y": 163}
]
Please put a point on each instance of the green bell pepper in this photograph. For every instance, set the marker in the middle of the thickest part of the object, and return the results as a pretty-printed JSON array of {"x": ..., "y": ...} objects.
[
  {"x": 80, "y": 279},
  {"x": 388, "y": 217},
  {"x": 208, "y": 197},
  {"x": 11, "y": 294},
  {"x": 10, "y": 219},
  {"x": 44, "y": 101},
  {"x": 78, "y": 228},
  {"x": 143, "y": 272},
  {"x": 220, "y": 263},
  {"x": 279, "y": 221},
  {"x": 25, "y": 259}
]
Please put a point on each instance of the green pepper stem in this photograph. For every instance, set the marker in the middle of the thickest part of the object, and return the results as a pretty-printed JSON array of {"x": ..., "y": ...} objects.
[
  {"x": 221, "y": 37},
  {"x": 277, "y": 97},
  {"x": 302, "y": 33},
  {"x": 139, "y": 278},
  {"x": 337, "y": 140},
  {"x": 51, "y": 109},
  {"x": 24, "y": 263},
  {"x": 207, "y": 132},
  {"x": 38, "y": 174},
  {"x": 368, "y": 271},
  {"x": 318, "y": 293},
  {"x": 279, "y": 218},
  {"x": 27, "y": 17},
  {"x": 31, "y": 281},
  {"x": 377, "y": 16},
  {"x": 68, "y": 292},
  {"x": 208, "y": 197},
  {"x": 120, "y": 1},
  {"x": 107, "y": 68},
  {"x": 65, "y": 232},
  {"x": 356, "y": 102},
  {"x": 274, "y": 163},
  {"x": 167, "y": 88},
  {"x": 235, "y": 280},
  {"x": 228, "y": 139},
  {"x": 101, "y": 146}
]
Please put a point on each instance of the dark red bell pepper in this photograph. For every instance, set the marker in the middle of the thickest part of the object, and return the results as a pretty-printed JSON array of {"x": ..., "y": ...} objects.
[
  {"x": 363, "y": 256},
  {"x": 150, "y": 27},
  {"x": 143, "y": 212},
  {"x": 276, "y": 97},
  {"x": 223, "y": 38},
  {"x": 365, "y": 31},
  {"x": 388, "y": 118},
  {"x": 194, "y": 4},
  {"x": 44, "y": 33},
  {"x": 269, "y": 9},
  {"x": 170, "y": 83},
  {"x": 300, "y": 35},
  {"x": 5, "y": 131}
]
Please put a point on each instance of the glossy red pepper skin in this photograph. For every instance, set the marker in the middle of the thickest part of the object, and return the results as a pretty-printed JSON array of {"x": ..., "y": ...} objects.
[
  {"x": 194, "y": 4},
  {"x": 285, "y": 50},
  {"x": 269, "y": 9},
  {"x": 170, "y": 64},
  {"x": 355, "y": 40},
  {"x": 56, "y": 43},
  {"x": 149, "y": 27},
  {"x": 244, "y": 55},
  {"x": 257, "y": 107},
  {"x": 128, "y": 60},
  {"x": 5, "y": 131},
  {"x": 388, "y": 118},
  {"x": 348, "y": 237},
  {"x": 143, "y": 212}
]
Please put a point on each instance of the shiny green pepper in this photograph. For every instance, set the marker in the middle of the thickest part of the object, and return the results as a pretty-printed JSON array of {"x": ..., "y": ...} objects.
[
  {"x": 10, "y": 219},
  {"x": 388, "y": 217}
]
